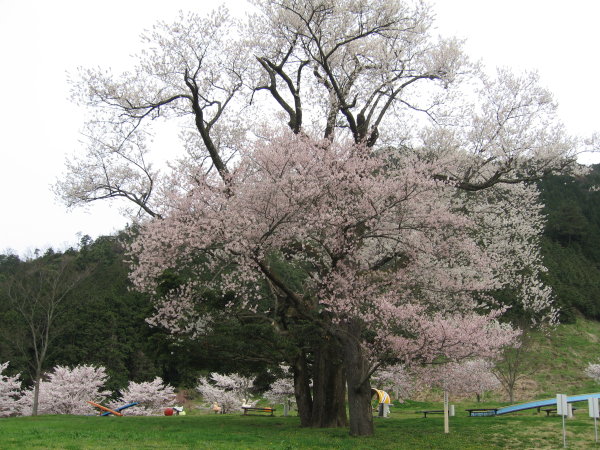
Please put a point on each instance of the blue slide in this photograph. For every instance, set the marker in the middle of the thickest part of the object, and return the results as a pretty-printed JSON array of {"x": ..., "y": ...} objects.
[{"x": 542, "y": 403}]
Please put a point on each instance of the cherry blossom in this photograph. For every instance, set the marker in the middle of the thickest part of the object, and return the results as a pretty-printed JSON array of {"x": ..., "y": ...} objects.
[
  {"x": 593, "y": 371},
  {"x": 152, "y": 397},
  {"x": 10, "y": 392},
  {"x": 472, "y": 376},
  {"x": 384, "y": 247},
  {"x": 397, "y": 380},
  {"x": 67, "y": 391},
  {"x": 229, "y": 391},
  {"x": 282, "y": 389}
]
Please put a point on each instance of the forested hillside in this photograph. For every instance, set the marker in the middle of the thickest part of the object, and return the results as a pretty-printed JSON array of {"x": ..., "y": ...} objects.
[
  {"x": 102, "y": 320},
  {"x": 571, "y": 244}
]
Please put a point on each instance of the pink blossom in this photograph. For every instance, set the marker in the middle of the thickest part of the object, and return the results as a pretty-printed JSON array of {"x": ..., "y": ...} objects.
[
  {"x": 152, "y": 397},
  {"x": 397, "y": 380},
  {"x": 472, "y": 376},
  {"x": 377, "y": 237},
  {"x": 229, "y": 391},
  {"x": 67, "y": 391}
]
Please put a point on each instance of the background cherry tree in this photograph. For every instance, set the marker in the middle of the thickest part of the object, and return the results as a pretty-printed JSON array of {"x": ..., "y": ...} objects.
[
  {"x": 10, "y": 392},
  {"x": 153, "y": 397},
  {"x": 397, "y": 380},
  {"x": 229, "y": 391},
  {"x": 402, "y": 198},
  {"x": 281, "y": 391},
  {"x": 474, "y": 377},
  {"x": 67, "y": 391},
  {"x": 593, "y": 371}
]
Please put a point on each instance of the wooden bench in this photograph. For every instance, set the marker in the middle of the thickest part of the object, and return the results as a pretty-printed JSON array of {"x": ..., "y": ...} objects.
[
  {"x": 553, "y": 410},
  {"x": 478, "y": 412},
  {"x": 431, "y": 411},
  {"x": 253, "y": 411}
]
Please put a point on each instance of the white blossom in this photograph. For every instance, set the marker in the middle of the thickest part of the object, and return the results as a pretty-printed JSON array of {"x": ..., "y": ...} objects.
[{"x": 10, "y": 392}]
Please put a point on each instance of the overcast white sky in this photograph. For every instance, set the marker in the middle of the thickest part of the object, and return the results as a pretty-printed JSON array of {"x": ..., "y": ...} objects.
[{"x": 40, "y": 41}]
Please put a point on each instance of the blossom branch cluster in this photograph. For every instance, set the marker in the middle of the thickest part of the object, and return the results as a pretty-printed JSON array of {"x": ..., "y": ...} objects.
[{"x": 376, "y": 237}]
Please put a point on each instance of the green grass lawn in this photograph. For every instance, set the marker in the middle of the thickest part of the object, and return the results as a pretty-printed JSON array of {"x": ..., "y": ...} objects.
[{"x": 405, "y": 429}]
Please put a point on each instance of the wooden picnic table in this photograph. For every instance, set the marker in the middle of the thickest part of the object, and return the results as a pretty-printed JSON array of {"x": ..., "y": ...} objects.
[
  {"x": 431, "y": 411},
  {"x": 552, "y": 410}
]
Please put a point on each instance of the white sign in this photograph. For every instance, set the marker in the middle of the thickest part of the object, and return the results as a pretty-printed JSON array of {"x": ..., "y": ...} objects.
[
  {"x": 561, "y": 405},
  {"x": 593, "y": 408}
]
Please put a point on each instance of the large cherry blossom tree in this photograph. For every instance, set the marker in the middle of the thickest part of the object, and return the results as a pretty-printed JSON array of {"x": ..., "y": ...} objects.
[
  {"x": 398, "y": 201},
  {"x": 393, "y": 262}
]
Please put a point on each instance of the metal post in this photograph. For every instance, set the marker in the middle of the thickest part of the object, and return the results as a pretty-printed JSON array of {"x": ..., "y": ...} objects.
[
  {"x": 446, "y": 420},
  {"x": 564, "y": 433},
  {"x": 594, "y": 412},
  {"x": 562, "y": 408}
]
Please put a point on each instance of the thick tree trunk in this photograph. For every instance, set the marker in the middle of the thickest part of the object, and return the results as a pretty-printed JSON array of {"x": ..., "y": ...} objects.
[
  {"x": 329, "y": 386},
  {"x": 325, "y": 405},
  {"x": 359, "y": 386},
  {"x": 302, "y": 390}
]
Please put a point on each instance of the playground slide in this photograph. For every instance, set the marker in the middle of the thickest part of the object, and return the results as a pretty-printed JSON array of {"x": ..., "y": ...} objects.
[
  {"x": 107, "y": 413},
  {"x": 542, "y": 403}
]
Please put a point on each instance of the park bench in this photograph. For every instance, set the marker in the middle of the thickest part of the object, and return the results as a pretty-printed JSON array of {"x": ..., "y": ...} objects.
[
  {"x": 431, "y": 411},
  {"x": 478, "y": 412},
  {"x": 552, "y": 410},
  {"x": 253, "y": 411}
]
